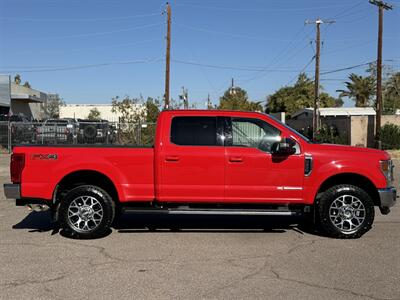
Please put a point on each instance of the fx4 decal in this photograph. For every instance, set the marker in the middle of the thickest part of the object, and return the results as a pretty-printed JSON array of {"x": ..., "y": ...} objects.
[{"x": 44, "y": 156}]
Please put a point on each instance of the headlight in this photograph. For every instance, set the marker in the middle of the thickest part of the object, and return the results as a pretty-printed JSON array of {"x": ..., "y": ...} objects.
[{"x": 387, "y": 170}]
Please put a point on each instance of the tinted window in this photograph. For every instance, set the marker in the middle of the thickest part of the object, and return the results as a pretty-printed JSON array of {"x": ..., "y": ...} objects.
[
  {"x": 254, "y": 133},
  {"x": 194, "y": 131},
  {"x": 16, "y": 118},
  {"x": 61, "y": 122}
]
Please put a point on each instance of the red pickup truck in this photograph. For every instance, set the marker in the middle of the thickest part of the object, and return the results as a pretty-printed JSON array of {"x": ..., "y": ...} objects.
[{"x": 207, "y": 162}]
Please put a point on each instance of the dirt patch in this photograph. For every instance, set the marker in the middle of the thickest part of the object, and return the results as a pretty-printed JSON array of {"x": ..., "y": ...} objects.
[{"x": 394, "y": 153}]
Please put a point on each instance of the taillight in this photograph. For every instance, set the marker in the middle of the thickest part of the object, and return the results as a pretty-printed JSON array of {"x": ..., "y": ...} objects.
[{"x": 16, "y": 166}]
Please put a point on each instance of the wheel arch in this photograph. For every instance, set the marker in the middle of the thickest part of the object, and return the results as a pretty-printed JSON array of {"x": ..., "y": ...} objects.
[
  {"x": 86, "y": 177},
  {"x": 355, "y": 179}
]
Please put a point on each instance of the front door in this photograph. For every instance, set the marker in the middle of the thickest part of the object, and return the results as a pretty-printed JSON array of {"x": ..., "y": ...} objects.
[
  {"x": 192, "y": 161},
  {"x": 252, "y": 173}
]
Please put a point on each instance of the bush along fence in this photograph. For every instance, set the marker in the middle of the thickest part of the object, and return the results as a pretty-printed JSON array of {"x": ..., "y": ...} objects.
[
  {"x": 326, "y": 134},
  {"x": 64, "y": 132}
]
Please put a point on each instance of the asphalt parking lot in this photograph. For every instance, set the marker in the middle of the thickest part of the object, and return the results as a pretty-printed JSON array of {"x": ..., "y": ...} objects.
[{"x": 196, "y": 257}]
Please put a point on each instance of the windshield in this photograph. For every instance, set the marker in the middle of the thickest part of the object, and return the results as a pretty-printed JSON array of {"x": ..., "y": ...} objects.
[{"x": 291, "y": 129}]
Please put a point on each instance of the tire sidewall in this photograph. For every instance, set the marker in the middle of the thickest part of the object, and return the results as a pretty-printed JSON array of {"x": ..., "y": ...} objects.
[
  {"x": 332, "y": 194},
  {"x": 106, "y": 203}
]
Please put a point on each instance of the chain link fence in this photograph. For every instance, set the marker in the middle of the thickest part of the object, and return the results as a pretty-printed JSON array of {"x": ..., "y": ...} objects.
[{"x": 69, "y": 132}]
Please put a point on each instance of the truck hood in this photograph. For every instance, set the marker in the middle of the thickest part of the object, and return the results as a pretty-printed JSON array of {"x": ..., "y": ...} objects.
[{"x": 350, "y": 151}]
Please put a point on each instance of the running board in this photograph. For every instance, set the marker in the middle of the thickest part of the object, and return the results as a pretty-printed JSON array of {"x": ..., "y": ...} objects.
[{"x": 226, "y": 212}]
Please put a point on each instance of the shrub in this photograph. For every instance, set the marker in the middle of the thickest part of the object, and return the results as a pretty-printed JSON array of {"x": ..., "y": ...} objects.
[
  {"x": 390, "y": 136},
  {"x": 330, "y": 134}
]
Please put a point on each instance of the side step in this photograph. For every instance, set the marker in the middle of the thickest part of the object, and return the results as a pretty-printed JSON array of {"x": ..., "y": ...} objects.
[{"x": 226, "y": 212}]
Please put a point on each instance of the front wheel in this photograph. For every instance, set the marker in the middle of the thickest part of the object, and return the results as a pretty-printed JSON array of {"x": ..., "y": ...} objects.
[
  {"x": 87, "y": 212},
  {"x": 345, "y": 211}
]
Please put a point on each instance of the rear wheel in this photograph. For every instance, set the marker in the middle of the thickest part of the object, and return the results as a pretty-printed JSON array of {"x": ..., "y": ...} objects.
[
  {"x": 87, "y": 212},
  {"x": 345, "y": 211}
]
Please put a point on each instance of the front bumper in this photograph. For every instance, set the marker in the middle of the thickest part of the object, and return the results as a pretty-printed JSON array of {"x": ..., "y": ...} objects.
[
  {"x": 12, "y": 191},
  {"x": 387, "y": 198}
]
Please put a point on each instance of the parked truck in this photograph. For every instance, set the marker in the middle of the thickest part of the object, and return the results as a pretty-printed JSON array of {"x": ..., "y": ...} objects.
[{"x": 207, "y": 162}]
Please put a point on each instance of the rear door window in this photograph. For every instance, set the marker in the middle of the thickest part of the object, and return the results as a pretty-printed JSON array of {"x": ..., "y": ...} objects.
[{"x": 194, "y": 131}]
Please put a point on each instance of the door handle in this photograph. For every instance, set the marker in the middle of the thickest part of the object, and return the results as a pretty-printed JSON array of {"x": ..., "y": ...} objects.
[
  {"x": 236, "y": 159},
  {"x": 172, "y": 158}
]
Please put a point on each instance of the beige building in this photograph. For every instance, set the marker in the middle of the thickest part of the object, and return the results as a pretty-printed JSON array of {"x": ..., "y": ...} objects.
[
  {"x": 355, "y": 124},
  {"x": 27, "y": 101},
  {"x": 19, "y": 99}
]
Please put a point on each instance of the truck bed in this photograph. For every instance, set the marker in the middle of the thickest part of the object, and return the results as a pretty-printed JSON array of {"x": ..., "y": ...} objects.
[{"x": 131, "y": 168}]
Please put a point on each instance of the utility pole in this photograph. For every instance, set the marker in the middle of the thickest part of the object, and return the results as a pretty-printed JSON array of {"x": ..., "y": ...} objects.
[
  {"x": 168, "y": 57},
  {"x": 209, "y": 104},
  {"x": 379, "y": 105},
  {"x": 318, "y": 23},
  {"x": 185, "y": 98}
]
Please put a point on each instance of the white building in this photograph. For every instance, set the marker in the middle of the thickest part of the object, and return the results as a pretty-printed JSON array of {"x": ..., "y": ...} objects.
[{"x": 81, "y": 111}]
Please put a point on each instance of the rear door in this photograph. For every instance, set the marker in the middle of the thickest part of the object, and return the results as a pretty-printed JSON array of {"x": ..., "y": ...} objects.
[{"x": 192, "y": 160}]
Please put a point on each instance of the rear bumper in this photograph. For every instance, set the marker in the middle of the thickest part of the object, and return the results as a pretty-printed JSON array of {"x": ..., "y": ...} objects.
[
  {"x": 12, "y": 191},
  {"x": 387, "y": 197}
]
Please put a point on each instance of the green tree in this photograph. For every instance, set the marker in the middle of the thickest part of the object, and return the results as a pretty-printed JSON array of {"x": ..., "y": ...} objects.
[
  {"x": 153, "y": 107},
  {"x": 148, "y": 130},
  {"x": 290, "y": 99},
  {"x": 137, "y": 120},
  {"x": 236, "y": 99},
  {"x": 52, "y": 105},
  {"x": 387, "y": 71},
  {"x": 391, "y": 96},
  {"x": 129, "y": 108},
  {"x": 94, "y": 114},
  {"x": 360, "y": 89}
]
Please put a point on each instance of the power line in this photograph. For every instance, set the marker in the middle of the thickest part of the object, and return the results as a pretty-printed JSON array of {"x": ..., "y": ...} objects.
[
  {"x": 93, "y": 33},
  {"x": 90, "y": 48},
  {"x": 231, "y": 34},
  {"x": 255, "y": 69},
  {"x": 77, "y": 67},
  {"x": 266, "y": 71},
  {"x": 301, "y": 71},
  {"x": 346, "y": 68},
  {"x": 344, "y": 13},
  {"x": 83, "y": 19},
  {"x": 259, "y": 10}
]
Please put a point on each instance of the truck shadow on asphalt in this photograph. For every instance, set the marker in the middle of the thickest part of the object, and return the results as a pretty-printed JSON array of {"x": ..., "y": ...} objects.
[{"x": 149, "y": 223}]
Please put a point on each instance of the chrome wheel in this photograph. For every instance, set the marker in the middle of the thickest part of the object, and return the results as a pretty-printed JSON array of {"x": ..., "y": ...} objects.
[
  {"x": 347, "y": 213},
  {"x": 85, "y": 213}
]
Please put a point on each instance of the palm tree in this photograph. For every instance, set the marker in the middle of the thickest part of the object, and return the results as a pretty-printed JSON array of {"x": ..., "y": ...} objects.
[
  {"x": 392, "y": 93},
  {"x": 360, "y": 89}
]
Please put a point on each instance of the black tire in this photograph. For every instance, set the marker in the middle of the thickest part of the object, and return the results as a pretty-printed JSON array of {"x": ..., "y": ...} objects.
[
  {"x": 71, "y": 224},
  {"x": 90, "y": 132},
  {"x": 328, "y": 213}
]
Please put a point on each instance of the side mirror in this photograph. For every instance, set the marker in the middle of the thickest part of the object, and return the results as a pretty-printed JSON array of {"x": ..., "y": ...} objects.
[{"x": 284, "y": 147}]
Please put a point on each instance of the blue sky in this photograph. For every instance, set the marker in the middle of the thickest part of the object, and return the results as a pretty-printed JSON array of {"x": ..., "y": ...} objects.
[{"x": 89, "y": 51}]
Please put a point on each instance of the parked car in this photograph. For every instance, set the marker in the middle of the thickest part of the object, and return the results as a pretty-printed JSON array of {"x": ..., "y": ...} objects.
[
  {"x": 90, "y": 132},
  {"x": 56, "y": 131},
  {"x": 208, "y": 162},
  {"x": 22, "y": 130}
]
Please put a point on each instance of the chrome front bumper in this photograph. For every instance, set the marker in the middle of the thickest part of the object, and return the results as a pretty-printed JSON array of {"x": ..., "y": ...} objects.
[
  {"x": 387, "y": 198},
  {"x": 12, "y": 191}
]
